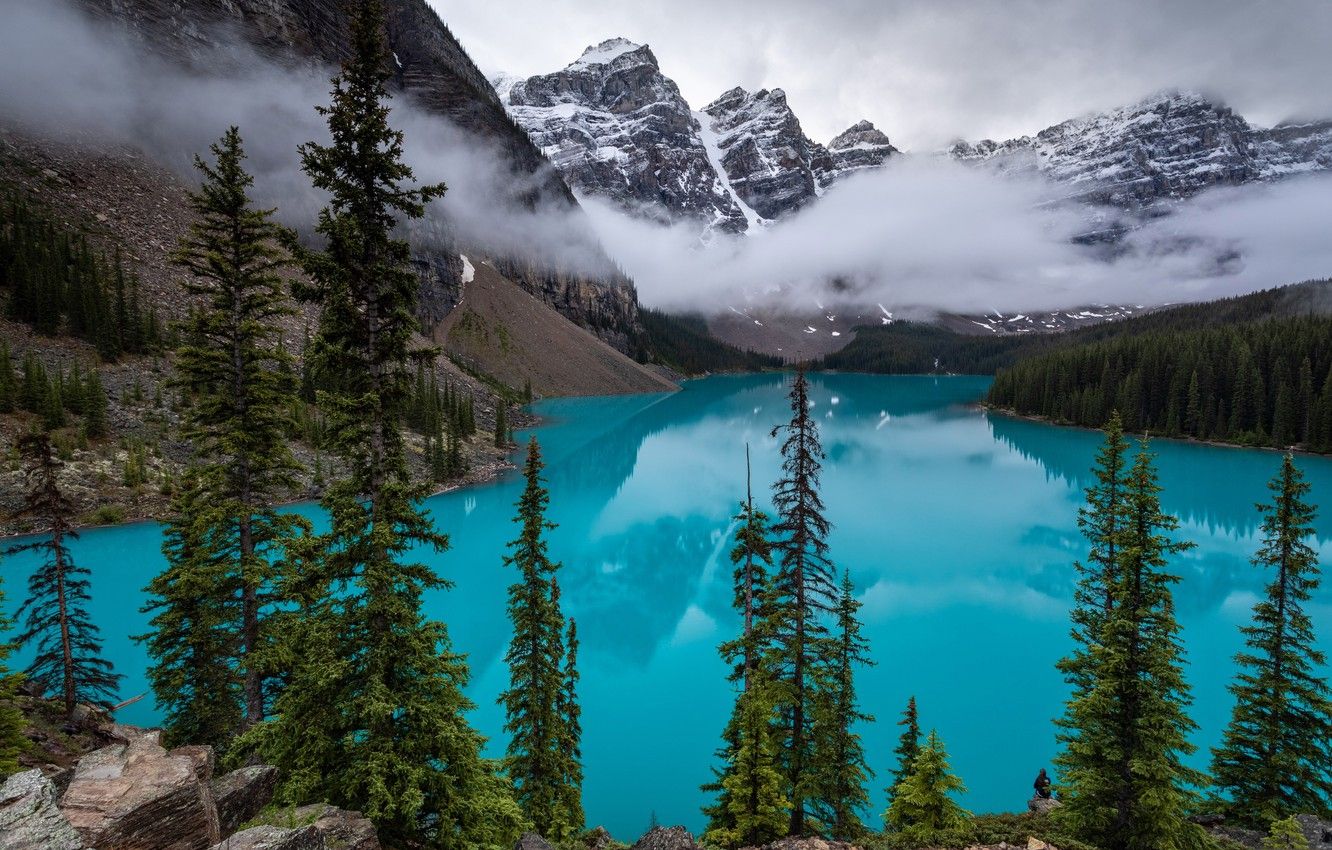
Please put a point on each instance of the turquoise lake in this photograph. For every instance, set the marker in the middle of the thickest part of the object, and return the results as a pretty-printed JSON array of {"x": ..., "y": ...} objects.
[{"x": 958, "y": 528}]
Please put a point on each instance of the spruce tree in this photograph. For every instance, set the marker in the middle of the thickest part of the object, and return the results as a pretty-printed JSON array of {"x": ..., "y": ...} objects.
[
  {"x": 94, "y": 406},
  {"x": 742, "y": 738},
  {"x": 8, "y": 384},
  {"x": 1125, "y": 730},
  {"x": 804, "y": 594},
  {"x": 374, "y": 715},
  {"x": 1276, "y": 756},
  {"x": 840, "y": 756},
  {"x": 569, "y": 712},
  {"x": 194, "y": 638},
  {"x": 225, "y": 541},
  {"x": 1285, "y": 834},
  {"x": 752, "y": 807},
  {"x": 923, "y": 810},
  {"x": 501, "y": 425},
  {"x": 12, "y": 723},
  {"x": 536, "y": 655},
  {"x": 908, "y": 746},
  {"x": 55, "y": 619}
]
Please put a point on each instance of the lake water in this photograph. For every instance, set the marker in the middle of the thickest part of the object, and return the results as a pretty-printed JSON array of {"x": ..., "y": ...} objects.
[{"x": 958, "y": 527}]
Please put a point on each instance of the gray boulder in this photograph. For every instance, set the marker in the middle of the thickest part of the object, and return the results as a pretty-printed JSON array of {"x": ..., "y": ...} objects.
[
  {"x": 343, "y": 829},
  {"x": 242, "y": 794},
  {"x": 137, "y": 795},
  {"x": 667, "y": 838},
  {"x": 532, "y": 841},
  {"x": 598, "y": 839},
  {"x": 1319, "y": 832},
  {"x": 1042, "y": 805},
  {"x": 29, "y": 817},
  {"x": 275, "y": 838}
]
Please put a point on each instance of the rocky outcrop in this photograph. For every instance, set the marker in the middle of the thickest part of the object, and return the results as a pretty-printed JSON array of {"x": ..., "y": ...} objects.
[
  {"x": 532, "y": 841},
  {"x": 242, "y": 794},
  {"x": 767, "y": 159},
  {"x": 667, "y": 838},
  {"x": 807, "y": 844},
  {"x": 29, "y": 817},
  {"x": 276, "y": 838},
  {"x": 617, "y": 128},
  {"x": 138, "y": 795},
  {"x": 341, "y": 829},
  {"x": 598, "y": 838},
  {"x": 860, "y": 147},
  {"x": 1042, "y": 805},
  {"x": 1166, "y": 147}
]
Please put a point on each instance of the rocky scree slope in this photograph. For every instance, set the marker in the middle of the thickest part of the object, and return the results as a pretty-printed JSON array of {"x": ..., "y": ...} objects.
[
  {"x": 618, "y": 128},
  {"x": 435, "y": 71}
]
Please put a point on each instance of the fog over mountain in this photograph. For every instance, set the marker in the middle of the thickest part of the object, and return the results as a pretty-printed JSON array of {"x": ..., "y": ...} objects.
[
  {"x": 929, "y": 72},
  {"x": 918, "y": 232}
]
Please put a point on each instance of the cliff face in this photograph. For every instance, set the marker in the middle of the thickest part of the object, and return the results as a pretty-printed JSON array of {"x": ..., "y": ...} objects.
[
  {"x": 433, "y": 68},
  {"x": 616, "y": 127}
]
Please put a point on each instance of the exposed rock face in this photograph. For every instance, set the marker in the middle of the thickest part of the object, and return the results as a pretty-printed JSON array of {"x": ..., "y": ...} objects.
[
  {"x": 1169, "y": 146},
  {"x": 532, "y": 841},
  {"x": 1317, "y": 831},
  {"x": 433, "y": 67},
  {"x": 341, "y": 829},
  {"x": 767, "y": 158},
  {"x": 667, "y": 838},
  {"x": 241, "y": 794},
  {"x": 617, "y": 128},
  {"x": 137, "y": 795},
  {"x": 29, "y": 817},
  {"x": 275, "y": 838},
  {"x": 808, "y": 844},
  {"x": 1042, "y": 805},
  {"x": 598, "y": 839},
  {"x": 861, "y": 146}
]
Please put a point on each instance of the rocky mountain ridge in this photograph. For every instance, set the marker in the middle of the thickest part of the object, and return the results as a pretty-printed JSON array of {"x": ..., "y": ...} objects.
[
  {"x": 1167, "y": 147},
  {"x": 618, "y": 128}
]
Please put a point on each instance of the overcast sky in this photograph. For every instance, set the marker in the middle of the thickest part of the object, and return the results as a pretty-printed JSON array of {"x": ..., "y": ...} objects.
[{"x": 928, "y": 71}]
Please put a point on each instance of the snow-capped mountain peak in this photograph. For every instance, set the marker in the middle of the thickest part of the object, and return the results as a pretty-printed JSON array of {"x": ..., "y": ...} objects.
[{"x": 608, "y": 51}]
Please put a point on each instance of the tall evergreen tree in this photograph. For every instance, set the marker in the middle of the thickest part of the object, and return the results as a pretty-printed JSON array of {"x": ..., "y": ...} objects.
[
  {"x": 908, "y": 747},
  {"x": 226, "y": 541},
  {"x": 752, "y": 807},
  {"x": 570, "y": 712},
  {"x": 536, "y": 655},
  {"x": 745, "y": 770},
  {"x": 1125, "y": 727},
  {"x": 804, "y": 594},
  {"x": 501, "y": 425},
  {"x": 840, "y": 755},
  {"x": 12, "y": 741},
  {"x": 1276, "y": 756},
  {"x": 374, "y": 716},
  {"x": 55, "y": 616},
  {"x": 923, "y": 808}
]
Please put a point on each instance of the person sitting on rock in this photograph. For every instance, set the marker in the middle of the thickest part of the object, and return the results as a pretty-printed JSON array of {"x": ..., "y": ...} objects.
[{"x": 1042, "y": 785}]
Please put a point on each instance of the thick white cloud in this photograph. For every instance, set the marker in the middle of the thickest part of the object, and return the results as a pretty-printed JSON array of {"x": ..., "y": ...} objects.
[{"x": 927, "y": 71}]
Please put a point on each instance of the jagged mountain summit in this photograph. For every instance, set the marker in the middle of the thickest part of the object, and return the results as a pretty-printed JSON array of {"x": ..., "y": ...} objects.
[
  {"x": 616, "y": 127},
  {"x": 1169, "y": 146}
]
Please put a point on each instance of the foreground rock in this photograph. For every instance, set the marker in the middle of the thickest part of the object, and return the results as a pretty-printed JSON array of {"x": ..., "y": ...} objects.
[
  {"x": 275, "y": 838},
  {"x": 242, "y": 794},
  {"x": 667, "y": 838},
  {"x": 29, "y": 817},
  {"x": 1042, "y": 805},
  {"x": 137, "y": 795},
  {"x": 532, "y": 841},
  {"x": 807, "y": 844},
  {"x": 341, "y": 829}
]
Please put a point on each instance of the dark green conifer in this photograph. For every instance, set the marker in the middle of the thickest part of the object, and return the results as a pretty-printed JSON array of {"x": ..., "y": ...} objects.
[
  {"x": 923, "y": 810},
  {"x": 12, "y": 741},
  {"x": 804, "y": 593},
  {"x": 1276, "y": 757},
  {"x": 55, "y": 618},
  {"x": 8, "y": 383},
  {"x": 374, "y": 715},
  {"x": 1125, "y": 731},
  {"x": 501, "y": 425},
  {"x": 908, "y": 746},
  {"x": 840, "y": 756},
  {"x": 536, "y": 655}
]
